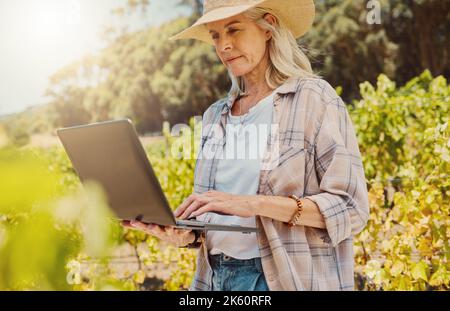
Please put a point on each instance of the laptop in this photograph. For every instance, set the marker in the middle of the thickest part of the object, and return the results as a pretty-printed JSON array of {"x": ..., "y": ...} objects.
[{"x": 111, "y": 154}]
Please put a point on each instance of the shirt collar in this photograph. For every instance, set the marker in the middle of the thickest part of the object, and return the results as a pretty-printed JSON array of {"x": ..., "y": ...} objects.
[{"x": 289, "y": 86}]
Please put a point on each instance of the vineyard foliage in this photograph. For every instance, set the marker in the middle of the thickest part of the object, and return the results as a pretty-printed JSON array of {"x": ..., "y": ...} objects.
[
  {"x": 404, "y": 137},
  {"x": 50, "y": 226}
]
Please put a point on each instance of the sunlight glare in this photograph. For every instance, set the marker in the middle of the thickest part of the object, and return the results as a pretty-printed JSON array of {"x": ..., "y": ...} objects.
[{"x": 50, "y": 20}]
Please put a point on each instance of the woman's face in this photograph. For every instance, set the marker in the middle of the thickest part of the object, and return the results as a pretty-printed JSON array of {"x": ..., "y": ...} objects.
[{"x": 240, "y": 43}]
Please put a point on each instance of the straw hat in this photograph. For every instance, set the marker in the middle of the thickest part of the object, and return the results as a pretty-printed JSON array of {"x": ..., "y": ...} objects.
[{"x": 297, "y": 15}]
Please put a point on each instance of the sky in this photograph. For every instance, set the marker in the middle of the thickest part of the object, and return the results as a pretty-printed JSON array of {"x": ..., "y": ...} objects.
[{"x": 38, "y": 37}]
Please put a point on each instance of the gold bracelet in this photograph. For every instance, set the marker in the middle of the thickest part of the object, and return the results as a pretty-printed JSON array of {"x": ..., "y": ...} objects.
[{"x": 296, "y": 218}]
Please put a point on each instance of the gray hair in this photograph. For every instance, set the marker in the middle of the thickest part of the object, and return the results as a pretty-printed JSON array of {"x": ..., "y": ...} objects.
[{"x": 286, "y": 58}]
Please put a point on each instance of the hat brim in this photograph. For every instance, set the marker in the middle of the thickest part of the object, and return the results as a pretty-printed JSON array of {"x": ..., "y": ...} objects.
[{"x": 297, "y": 15}]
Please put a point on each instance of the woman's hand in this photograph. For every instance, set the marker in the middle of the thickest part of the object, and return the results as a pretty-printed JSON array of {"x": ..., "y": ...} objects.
[
  {"x": 178, "y": 237},
  {"x": 218, "y": 202}
]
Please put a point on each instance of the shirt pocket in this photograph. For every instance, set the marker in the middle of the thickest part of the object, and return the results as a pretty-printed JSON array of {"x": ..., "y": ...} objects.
[{"x": 287, "y": 177}]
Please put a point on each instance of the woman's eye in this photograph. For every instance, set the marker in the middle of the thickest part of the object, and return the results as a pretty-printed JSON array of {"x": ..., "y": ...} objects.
[{"x": 230, "y": 31}]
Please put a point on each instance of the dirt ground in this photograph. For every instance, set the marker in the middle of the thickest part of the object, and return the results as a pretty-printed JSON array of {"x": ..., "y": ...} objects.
[{"x": 124, "y": 263}]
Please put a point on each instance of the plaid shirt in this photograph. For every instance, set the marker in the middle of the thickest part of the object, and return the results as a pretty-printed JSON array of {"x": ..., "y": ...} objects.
[{"x": 317, "y": 158}]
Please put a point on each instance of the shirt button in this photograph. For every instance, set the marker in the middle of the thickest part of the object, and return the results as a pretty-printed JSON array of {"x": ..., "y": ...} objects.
[{"x": 226, "y": 258}]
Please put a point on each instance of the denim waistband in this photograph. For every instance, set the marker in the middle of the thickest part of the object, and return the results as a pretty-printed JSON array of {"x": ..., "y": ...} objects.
[
  {"x": 237, "y": 274},
  {"x": 222, "y": 259}
]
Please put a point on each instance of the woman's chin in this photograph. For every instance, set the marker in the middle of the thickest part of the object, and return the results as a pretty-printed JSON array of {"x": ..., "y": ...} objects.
[{"x": 238, "y": 72}]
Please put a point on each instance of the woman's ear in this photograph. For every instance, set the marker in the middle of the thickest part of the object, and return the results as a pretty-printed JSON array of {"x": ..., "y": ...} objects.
[{"x": 271, "y": 20}]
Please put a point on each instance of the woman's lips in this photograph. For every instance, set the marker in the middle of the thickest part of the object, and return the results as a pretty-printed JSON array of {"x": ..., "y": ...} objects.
[{"x": 233, "y": 59}]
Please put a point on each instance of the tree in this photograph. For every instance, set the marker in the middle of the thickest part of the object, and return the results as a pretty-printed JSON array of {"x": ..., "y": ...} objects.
[
  {"x": 348, "y": 50},
  {"x": 197, "y": 6},
  {"x": 423, "y": 41},
  {"x": 141, "y": 76}
]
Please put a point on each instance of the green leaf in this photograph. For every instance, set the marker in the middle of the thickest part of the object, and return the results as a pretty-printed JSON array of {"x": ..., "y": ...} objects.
[
  {"x": 397, "y": 268},
  {"x": 419, "y": 271}
]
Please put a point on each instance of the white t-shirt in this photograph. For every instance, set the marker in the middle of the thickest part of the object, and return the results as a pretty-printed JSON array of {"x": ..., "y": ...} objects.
[{"x": 238, "y": 173}]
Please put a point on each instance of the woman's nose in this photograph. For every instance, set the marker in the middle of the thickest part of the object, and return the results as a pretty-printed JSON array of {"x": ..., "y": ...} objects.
[{"x": 225, "y": 45}]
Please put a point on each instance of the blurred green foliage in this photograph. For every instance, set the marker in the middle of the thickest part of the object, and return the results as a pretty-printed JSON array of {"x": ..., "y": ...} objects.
[
  {"x": 44, "y": 225},
  {"x": 50, "y": 226}
]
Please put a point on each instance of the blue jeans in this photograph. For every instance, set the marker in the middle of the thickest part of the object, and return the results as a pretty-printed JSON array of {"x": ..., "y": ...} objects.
[{"x": 231, "y": 274}]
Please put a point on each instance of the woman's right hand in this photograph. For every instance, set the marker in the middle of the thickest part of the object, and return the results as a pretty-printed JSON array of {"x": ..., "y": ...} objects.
[{"x": 178, "y": 237}]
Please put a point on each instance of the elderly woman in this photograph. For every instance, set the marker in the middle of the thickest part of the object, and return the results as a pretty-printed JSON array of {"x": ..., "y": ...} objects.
[{"x": 306, "y": 192}]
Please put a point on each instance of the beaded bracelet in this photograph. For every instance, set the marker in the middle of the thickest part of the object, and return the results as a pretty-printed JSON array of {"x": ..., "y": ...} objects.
[{"x": 296, "y": 217}]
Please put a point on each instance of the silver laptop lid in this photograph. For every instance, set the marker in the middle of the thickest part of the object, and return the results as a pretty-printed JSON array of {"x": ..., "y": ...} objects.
[{"x": 111, "y": 154}]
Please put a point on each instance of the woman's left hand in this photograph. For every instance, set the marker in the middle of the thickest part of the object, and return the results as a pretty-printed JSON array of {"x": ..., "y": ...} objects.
[{"x": 218, "y": 202}]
